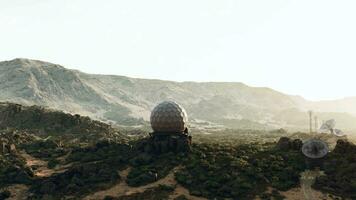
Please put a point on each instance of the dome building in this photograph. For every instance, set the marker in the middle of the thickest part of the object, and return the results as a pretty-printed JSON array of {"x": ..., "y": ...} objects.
[
  {"x": 169, "y": 117},
  {"x": 169, "y": 122}
]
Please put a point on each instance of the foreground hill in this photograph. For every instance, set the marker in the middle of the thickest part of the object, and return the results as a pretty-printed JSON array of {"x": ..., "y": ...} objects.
[
  {"x": 46, "y": 123},
  {"x": 128, "y": 101},
  {"x": 46, "y": 154}
]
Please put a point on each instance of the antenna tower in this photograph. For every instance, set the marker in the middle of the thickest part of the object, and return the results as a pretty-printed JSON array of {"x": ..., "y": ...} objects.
[{"x": 310, "y": 121}]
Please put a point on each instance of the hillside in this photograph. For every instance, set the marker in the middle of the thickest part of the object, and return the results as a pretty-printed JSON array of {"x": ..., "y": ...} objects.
[
  {"x": 49, "y": 123},
  {"x": 128, "y": 101},
  {"x": 61, "y": 156}
]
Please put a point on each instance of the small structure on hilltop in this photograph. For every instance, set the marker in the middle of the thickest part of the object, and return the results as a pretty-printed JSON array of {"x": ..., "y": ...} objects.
[
  {"x": 315, "y": 150},
  {"x": 170, "y": 132},
  {"x": 329, "y": 127}
]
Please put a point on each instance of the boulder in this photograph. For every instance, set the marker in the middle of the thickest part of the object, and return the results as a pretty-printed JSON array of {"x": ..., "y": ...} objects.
[{"x": 284, "y": 144}]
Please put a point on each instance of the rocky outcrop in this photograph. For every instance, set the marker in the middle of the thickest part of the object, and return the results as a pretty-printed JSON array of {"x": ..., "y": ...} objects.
[
  {"x": 285, "y": 144},
  {"x": 45, "y": 120},
  {"x": 340, "y": 171}
]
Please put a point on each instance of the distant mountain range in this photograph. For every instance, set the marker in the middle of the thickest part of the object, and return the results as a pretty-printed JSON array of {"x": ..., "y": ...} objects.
[{"x": 128, "y": 101}]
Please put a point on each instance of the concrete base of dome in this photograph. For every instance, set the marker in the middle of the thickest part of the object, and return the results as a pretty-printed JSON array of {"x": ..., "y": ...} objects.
[
  {"x": 160, "y": 142},
  {"x": 314, "y": 163}
]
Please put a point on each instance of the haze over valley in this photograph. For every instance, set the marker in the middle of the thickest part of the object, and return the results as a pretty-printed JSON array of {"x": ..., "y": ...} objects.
[{"x": 128, "y": 101}]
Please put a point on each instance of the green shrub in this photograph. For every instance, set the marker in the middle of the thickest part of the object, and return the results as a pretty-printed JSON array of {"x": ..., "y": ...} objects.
[{"x": 5, "y": 194}]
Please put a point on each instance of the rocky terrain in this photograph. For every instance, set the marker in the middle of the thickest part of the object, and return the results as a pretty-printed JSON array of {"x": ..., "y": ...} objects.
[
  {"x": 62, "y": 156},
  {"x": 128, "y": 101}
]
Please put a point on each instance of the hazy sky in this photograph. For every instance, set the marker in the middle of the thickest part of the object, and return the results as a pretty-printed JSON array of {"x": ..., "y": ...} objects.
[{"x": 302, "y": 47}]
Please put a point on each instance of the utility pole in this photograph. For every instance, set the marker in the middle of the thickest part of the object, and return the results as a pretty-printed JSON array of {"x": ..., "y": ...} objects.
[
  {"x": 316, "y": 123},
  {"x": 310, "y": 121}
]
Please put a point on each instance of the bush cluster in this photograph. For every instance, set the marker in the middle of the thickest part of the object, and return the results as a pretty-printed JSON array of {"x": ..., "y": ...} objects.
[
  {"x": 78, "y": 180},
  {"x": 148, "y": 168},
  {"x": 14, "y": 171},
  {"x": 239, "y": 172},
  {"x": 340, "y": 171}
]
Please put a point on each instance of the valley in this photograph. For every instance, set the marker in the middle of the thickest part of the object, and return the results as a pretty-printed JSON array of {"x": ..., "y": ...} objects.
[{"x": 127, "y": 102}]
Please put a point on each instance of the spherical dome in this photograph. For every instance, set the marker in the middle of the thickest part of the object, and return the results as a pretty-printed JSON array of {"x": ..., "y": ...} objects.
[
  {"x": 315, "y": 148},
  {"x": 169, "y": 116}
]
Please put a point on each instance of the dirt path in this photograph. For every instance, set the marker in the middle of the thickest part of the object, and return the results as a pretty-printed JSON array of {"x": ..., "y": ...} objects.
[
  {"x": 122, "y": 189},
  {"x": 180, "y": 190},
  {"x": 305, "y": 191},
  {"x": 41, "y": 166},
  {"x": 298, "y": 194},
  {"x": 306, "y": 181}
]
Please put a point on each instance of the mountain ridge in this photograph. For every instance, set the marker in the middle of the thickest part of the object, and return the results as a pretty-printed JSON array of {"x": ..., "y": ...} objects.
[{"x": 128, "y": 101}]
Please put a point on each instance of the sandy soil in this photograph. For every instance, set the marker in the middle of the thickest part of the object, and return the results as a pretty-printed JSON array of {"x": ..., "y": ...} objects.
[
  {"x": 18, "y": 192},
  {"x": 180, "y": 190},
  {"x": 122, "y": 189},
  {"x": 305, "y": 191},
  {"x": 42, "y": 169},
  {"x": 298, "y": 194}
]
